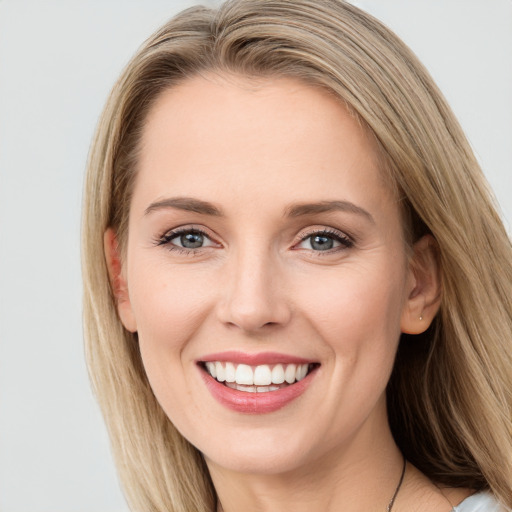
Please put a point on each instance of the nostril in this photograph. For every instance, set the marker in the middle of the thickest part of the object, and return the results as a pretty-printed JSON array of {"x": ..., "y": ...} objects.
[
  {"x": 251, "y": 322},
  {"x": 252, "y": 300}
]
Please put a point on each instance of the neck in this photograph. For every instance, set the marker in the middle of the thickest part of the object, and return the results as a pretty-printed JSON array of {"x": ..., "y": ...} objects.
[{"x": 357, "y": 478}]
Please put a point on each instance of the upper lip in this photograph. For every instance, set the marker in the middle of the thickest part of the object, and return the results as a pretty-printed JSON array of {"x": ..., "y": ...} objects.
[{"x": 235, "y": 356}]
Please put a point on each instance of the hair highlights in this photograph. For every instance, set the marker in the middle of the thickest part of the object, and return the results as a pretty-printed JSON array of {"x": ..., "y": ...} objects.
[{"x": 450, "y": 394}]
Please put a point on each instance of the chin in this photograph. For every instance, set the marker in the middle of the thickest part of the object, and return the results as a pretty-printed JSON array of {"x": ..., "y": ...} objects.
[
  {"x": 258, "y": 462},
  {"x": 260, "y": 453}
]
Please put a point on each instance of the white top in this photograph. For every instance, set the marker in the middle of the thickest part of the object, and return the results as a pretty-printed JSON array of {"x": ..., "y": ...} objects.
[{"x": 480, "y": 502}]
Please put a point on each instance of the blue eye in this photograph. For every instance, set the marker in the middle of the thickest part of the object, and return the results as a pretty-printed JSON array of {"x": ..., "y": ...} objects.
[
  {"x": 324, "y": 241},
  {"x": 321, "y": 242},
  {"x": 188, "y": 239},
  {"x": 191, "y": 240}
]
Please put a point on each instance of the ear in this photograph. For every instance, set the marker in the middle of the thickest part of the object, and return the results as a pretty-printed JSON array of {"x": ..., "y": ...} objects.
[
  {"x": 424, "y": 287},
  {"x": 118, "y": 280}
]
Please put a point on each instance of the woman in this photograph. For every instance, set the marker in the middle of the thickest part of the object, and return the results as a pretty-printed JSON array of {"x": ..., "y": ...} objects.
[{"x": 297, "y": 290}]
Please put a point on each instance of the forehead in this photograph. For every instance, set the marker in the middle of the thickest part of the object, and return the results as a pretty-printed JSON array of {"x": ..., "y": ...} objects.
[
  {"x": 277, "y": 136},
  {"x": 241, "y": 105}
]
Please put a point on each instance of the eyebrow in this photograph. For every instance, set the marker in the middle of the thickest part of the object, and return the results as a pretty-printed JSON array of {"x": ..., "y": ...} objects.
[
  {"x": 299, "y": 210},
  {"x": 188, "y": 204},
  {"x": 191, "y": 204}
]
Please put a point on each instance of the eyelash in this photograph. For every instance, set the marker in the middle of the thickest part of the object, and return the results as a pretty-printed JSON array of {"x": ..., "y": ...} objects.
[
  {"x": 166, "y": 240},
  {"x": 345, "y": 241}
]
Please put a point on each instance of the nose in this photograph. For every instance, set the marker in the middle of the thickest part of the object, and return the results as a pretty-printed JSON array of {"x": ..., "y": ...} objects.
[{"x": 253, "y": 295}]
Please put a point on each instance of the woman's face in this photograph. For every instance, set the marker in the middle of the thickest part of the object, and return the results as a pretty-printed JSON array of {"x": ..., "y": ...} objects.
[{"x": 264, "y": 243}]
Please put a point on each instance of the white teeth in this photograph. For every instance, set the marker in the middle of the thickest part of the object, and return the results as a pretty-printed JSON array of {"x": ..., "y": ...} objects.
[
  {"x": 230, "y": 372},
  {"x": 211, "y": 368},
  {"x": 244, "y": 375},
  {"x": 262, "y": 375},
  {"x": 289, "y": 374},
  {"x": 302, "y": 371},
  {"x": 261, "y": 378},
  {"x": 221, "y": 372},
  {"x": 252, "y": 389},
  {"x": 278, "y": 374}
]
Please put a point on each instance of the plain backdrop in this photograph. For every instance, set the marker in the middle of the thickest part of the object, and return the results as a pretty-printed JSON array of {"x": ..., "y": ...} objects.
[{"x": 58, "y": 60}]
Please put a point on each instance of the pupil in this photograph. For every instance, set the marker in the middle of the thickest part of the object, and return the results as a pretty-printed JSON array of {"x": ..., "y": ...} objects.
[
  {"x": 322, "y": 243},
  {"x": 191, "y": 240}
]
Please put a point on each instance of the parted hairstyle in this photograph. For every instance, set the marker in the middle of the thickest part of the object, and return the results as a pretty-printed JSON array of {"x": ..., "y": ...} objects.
[{"x": 450, "y": 393}]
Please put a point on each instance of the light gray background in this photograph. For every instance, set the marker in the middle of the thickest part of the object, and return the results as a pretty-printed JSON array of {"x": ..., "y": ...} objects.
[{"x": 58, "y": 60}]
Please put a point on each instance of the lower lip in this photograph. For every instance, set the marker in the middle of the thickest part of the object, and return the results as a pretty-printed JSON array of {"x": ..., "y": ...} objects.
[{"x": 255, "y": 403}]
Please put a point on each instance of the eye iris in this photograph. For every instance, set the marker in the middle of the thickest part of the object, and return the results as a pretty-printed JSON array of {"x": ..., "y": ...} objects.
[
  {"x": 192, "y": 240},
  {"x": 322, "y": 242}
]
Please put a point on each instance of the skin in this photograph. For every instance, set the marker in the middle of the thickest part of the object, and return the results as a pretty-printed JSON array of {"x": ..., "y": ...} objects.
[{"x": 253, "y": 150}]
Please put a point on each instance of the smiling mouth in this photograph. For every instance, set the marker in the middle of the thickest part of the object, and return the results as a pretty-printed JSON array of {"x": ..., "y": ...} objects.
[{"x": 262, "y": 378}]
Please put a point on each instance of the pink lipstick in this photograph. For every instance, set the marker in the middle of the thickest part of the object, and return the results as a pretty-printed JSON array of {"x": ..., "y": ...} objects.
[{"x": 256, "y": 383}]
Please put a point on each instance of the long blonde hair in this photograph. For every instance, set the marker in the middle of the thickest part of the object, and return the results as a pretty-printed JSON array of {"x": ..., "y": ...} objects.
[{"x": 449, "y": 397}]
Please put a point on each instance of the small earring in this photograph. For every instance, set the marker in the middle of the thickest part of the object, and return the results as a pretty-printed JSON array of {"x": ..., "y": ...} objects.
[{"x": 421, "y": 318}]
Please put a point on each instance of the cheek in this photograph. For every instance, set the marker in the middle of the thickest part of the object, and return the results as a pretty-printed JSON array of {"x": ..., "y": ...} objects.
[
  {"x": 355, "y": 306},
  {"x": 164, "y": 296},
  {"x": 169, "y": 311},
  {"x": 169, "y": 306},
  {"x": 356, "y": 313}
]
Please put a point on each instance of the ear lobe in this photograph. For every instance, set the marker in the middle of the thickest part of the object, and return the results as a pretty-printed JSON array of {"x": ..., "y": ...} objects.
[
  {"x": 424, "y": 294},
  {"x": 118, "y": 280}
]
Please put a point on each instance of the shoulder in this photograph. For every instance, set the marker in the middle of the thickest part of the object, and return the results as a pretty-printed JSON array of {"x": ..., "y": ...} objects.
[{"x": 480, "y": 502}]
